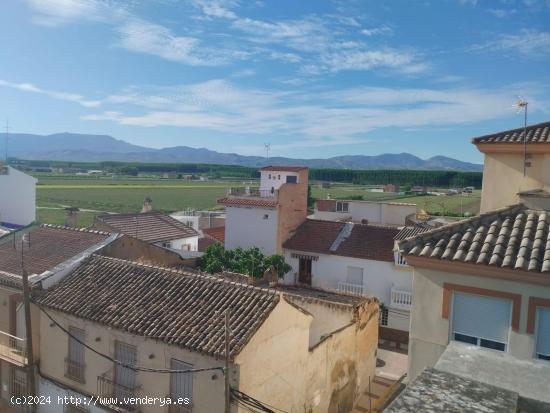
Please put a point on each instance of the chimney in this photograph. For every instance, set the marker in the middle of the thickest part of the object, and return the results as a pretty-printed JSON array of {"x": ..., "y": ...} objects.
[
  {"x": 70, "y": 218},
  {"x": 147, "y": 205}
]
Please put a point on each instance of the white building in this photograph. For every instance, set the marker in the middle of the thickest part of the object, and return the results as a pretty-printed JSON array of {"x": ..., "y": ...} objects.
[
  {"x": 355, "y": 259},
  {"x": 265, "y": 217},
  {"x": 17, "y": 197},
  {"x": 371, "y": 212}
]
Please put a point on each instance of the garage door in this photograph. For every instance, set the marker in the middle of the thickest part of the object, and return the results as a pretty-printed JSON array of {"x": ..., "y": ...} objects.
[{"x": 483, "y": 321}]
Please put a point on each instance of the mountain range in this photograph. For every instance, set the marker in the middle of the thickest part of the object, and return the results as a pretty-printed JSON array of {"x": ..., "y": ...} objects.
[{"x": 95, "y": 148}]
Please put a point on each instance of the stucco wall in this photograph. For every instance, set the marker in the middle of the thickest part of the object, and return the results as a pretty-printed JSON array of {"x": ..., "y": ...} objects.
[
  {"x": 429, "y": 333},
  {"x": 17, "y": 197},
  {"x": 328, "y": 270},
  {"x": 373, "y": 212},
  {"x": 246, "y": 227},
  {"x": 182, "y": 243},
  {"x": 498, "y": 192},
  {"x": 266, "y": 183},
  {"x": 207, "y": 392}
]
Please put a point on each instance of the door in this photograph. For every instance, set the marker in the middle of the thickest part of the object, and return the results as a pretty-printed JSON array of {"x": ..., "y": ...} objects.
[
  {"x": 125, "y": 378},
  {"x": 304, "y": 274},
  {"x": 480, "y": 320}
]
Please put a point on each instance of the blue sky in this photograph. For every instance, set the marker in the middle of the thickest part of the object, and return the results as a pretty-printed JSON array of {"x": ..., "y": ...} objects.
[{"x": 313, "y": 78}]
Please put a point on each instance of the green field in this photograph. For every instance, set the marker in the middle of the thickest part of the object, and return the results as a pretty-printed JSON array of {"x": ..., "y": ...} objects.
[{"x": 125, "y": 194}]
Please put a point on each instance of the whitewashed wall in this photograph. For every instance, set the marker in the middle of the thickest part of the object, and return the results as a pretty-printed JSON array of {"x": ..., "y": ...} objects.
[
  {"x": 17, "y": 197},
  {"x": 179, "y": 244},
  {"x": 374, "y": 212},
  {"x": 246, "y": 227},
  {"x": 274, "y": 182}
]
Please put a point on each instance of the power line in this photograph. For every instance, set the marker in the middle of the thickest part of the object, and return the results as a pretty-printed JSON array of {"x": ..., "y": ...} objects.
[{"x": 128, "y": 366}]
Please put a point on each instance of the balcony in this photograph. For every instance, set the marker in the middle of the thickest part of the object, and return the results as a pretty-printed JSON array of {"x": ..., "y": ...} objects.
[
  {"x": 74, "y": 370},
  {"x": 401, "y": 299},
  {"x": 115, "y": 394},
  {"x": 352, "y": 289},
  {"x": 13, "y": 349},
  {"x": 248, "y": 192}
]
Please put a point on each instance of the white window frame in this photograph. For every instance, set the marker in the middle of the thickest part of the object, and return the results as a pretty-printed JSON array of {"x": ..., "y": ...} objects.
[
  {"x": 452, "y": 332},
  {"x": 342, "y": 206}
]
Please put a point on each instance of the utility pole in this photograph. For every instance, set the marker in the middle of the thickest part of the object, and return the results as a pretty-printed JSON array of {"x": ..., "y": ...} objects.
[
  {"x": 267, "y": 148},
  {"x": 521, "y": 104},
  {"x": 226, "y": 371},
  {"x": 28, "y": 326}
]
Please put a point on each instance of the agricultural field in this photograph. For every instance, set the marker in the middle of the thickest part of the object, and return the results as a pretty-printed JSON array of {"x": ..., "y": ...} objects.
[{"x": 96, "y": 195}]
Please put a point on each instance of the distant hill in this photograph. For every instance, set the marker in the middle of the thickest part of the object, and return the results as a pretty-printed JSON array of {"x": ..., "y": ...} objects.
[{"x": 95, "y": 148}]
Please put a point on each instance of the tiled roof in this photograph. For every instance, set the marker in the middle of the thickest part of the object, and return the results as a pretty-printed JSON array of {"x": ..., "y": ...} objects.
[
  {"x": 149, "y": 227},
  {"x": 180, "y": 308},
  {"x": 371, "y": 242},
  {"x": 244, "y": 201},
  {"x": 49, "y": 246},
  {"x": 411, "y": 231},
  {"x": 284, "y": 168},
  {"x": 513, "y": 237},
  {"x": 217, "y": 233},
  {"x": 204, "y": 243},
  {"x": 326, "y": 205},
  {"x": 539, "y": 133}
]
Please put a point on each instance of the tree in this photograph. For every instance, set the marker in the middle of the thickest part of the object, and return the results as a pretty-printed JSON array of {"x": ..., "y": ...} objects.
[{"x": 249, "y": 261}]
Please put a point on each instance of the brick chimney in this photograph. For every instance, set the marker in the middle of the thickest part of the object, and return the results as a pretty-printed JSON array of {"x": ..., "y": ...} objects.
[{"x": 147, "y": 205}]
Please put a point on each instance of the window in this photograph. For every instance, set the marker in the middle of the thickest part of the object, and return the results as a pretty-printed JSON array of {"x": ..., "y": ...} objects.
[
  {"x": 543, "y": 333},
  {"x": 266, "y": 216},
  {"x": 74, "y": 363},
  {"x": 355, "y": 276},
  {"x": 279, "y": 177},
  {"x": 383, "y": 316},
  {"x": 189, "y": 223},
  {"x": 269, "y": 176},
  {"x": 18, "y": 382},
  {"x": 181, "y": 384},
  {"x": 342, "y": 207},
  {"x": 125, "y": 378},
  {"x": 291, "y": 179},
  {"x": 480, "y": 320},
  {"x": 167, "y": 244}
]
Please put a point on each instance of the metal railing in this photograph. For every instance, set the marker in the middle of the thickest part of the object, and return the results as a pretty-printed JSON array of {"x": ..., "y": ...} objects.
[
  {"x": 74, "y": 370},
  {"x": 13, "y": 349},
  {"x": 112, "y": 393},
  {"x": 352, "y": 289},
  {"x": 399, "y": 260},
  {"x": 252, "y": 192},
  {"x": 401, "y": 299}
]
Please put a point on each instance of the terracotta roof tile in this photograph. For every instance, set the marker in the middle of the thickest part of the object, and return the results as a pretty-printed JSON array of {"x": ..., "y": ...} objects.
[
  {"x": 284, "y": 168},
  {"x": 180, "y": 308},
  {"x": 411, "y": 231},
  {"x": 243, "y": 201},
  {"x": 539, "y": 133},
  {"x": 150, "y": 227},
  {"x": 49, "y": 246},
  {"x": 217, "y": 233},
  {"x": 364, "y": 241},
  {"x": 514, "y": 237},
  {"x": 204, "y": 243}
]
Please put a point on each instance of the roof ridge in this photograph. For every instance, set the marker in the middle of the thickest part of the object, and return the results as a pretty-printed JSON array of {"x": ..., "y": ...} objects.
[
  {"x": 520, "y": 129},
  {"x": 88, "y": 230},
  {"x": 198, "y": 274}
]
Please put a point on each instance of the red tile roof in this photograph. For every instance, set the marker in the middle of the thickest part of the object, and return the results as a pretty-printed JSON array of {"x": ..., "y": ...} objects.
[
  {"x": 364, "y": 241},
  {"x": 204, "y": 243},
  {"x": 326, "y": 205},
  {"x": 150, "y": 227},
  {"x": 283, "y": 168},
  {"x": 180, "y": 308},
  {"x": 539, "y": 133},
  {"x": 244, "y": 201},
  {"x": 217, "y": 233},
  {"x": 49, "y": 246}
]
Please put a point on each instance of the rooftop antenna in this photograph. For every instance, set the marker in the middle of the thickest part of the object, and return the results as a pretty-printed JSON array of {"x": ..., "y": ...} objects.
[
  {"x": 7, "y": 138},
  {"x": 267, "y": 147},
  {"x": 521, "y": 105}
]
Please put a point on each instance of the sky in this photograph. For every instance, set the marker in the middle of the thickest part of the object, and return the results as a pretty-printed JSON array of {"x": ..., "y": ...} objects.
[{"x": 313, "y": 78}]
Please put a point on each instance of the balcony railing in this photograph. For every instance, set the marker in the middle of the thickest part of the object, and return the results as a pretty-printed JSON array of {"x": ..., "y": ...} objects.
[
  {"x": 399, "y": 260},
  {"x": 13, "y": 349},
  {"x": 252, "y": 192},
  {"x": 74, "y": 370},
  {"x": 352, "y": 289},
  {"x": 112, "y": 393},
  {"x": 401, "y": 299}
]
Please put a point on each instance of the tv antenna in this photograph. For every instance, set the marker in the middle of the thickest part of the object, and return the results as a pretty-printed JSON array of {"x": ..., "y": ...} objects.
[
  {"x": 267, "y": 147},
  {"x": 7, "y": 129},
  {"x": 521, "y": 106}
]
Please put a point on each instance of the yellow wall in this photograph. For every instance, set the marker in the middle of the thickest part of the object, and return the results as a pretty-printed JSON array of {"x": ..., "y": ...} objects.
[
  {"x": 429, "y": 333},
  {"x": 503, "y": 178}
]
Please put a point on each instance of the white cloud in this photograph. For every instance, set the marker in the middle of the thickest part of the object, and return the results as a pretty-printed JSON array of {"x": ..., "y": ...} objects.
[
  {"x": 69, "y": 97},
  {"x": 329, "y": 117},
  {"x": 377, "y": 31},
  {"x": 502, "y": 13},
  {"x": 57, "y": 12},
  {"x": 528, "y": 42}
]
